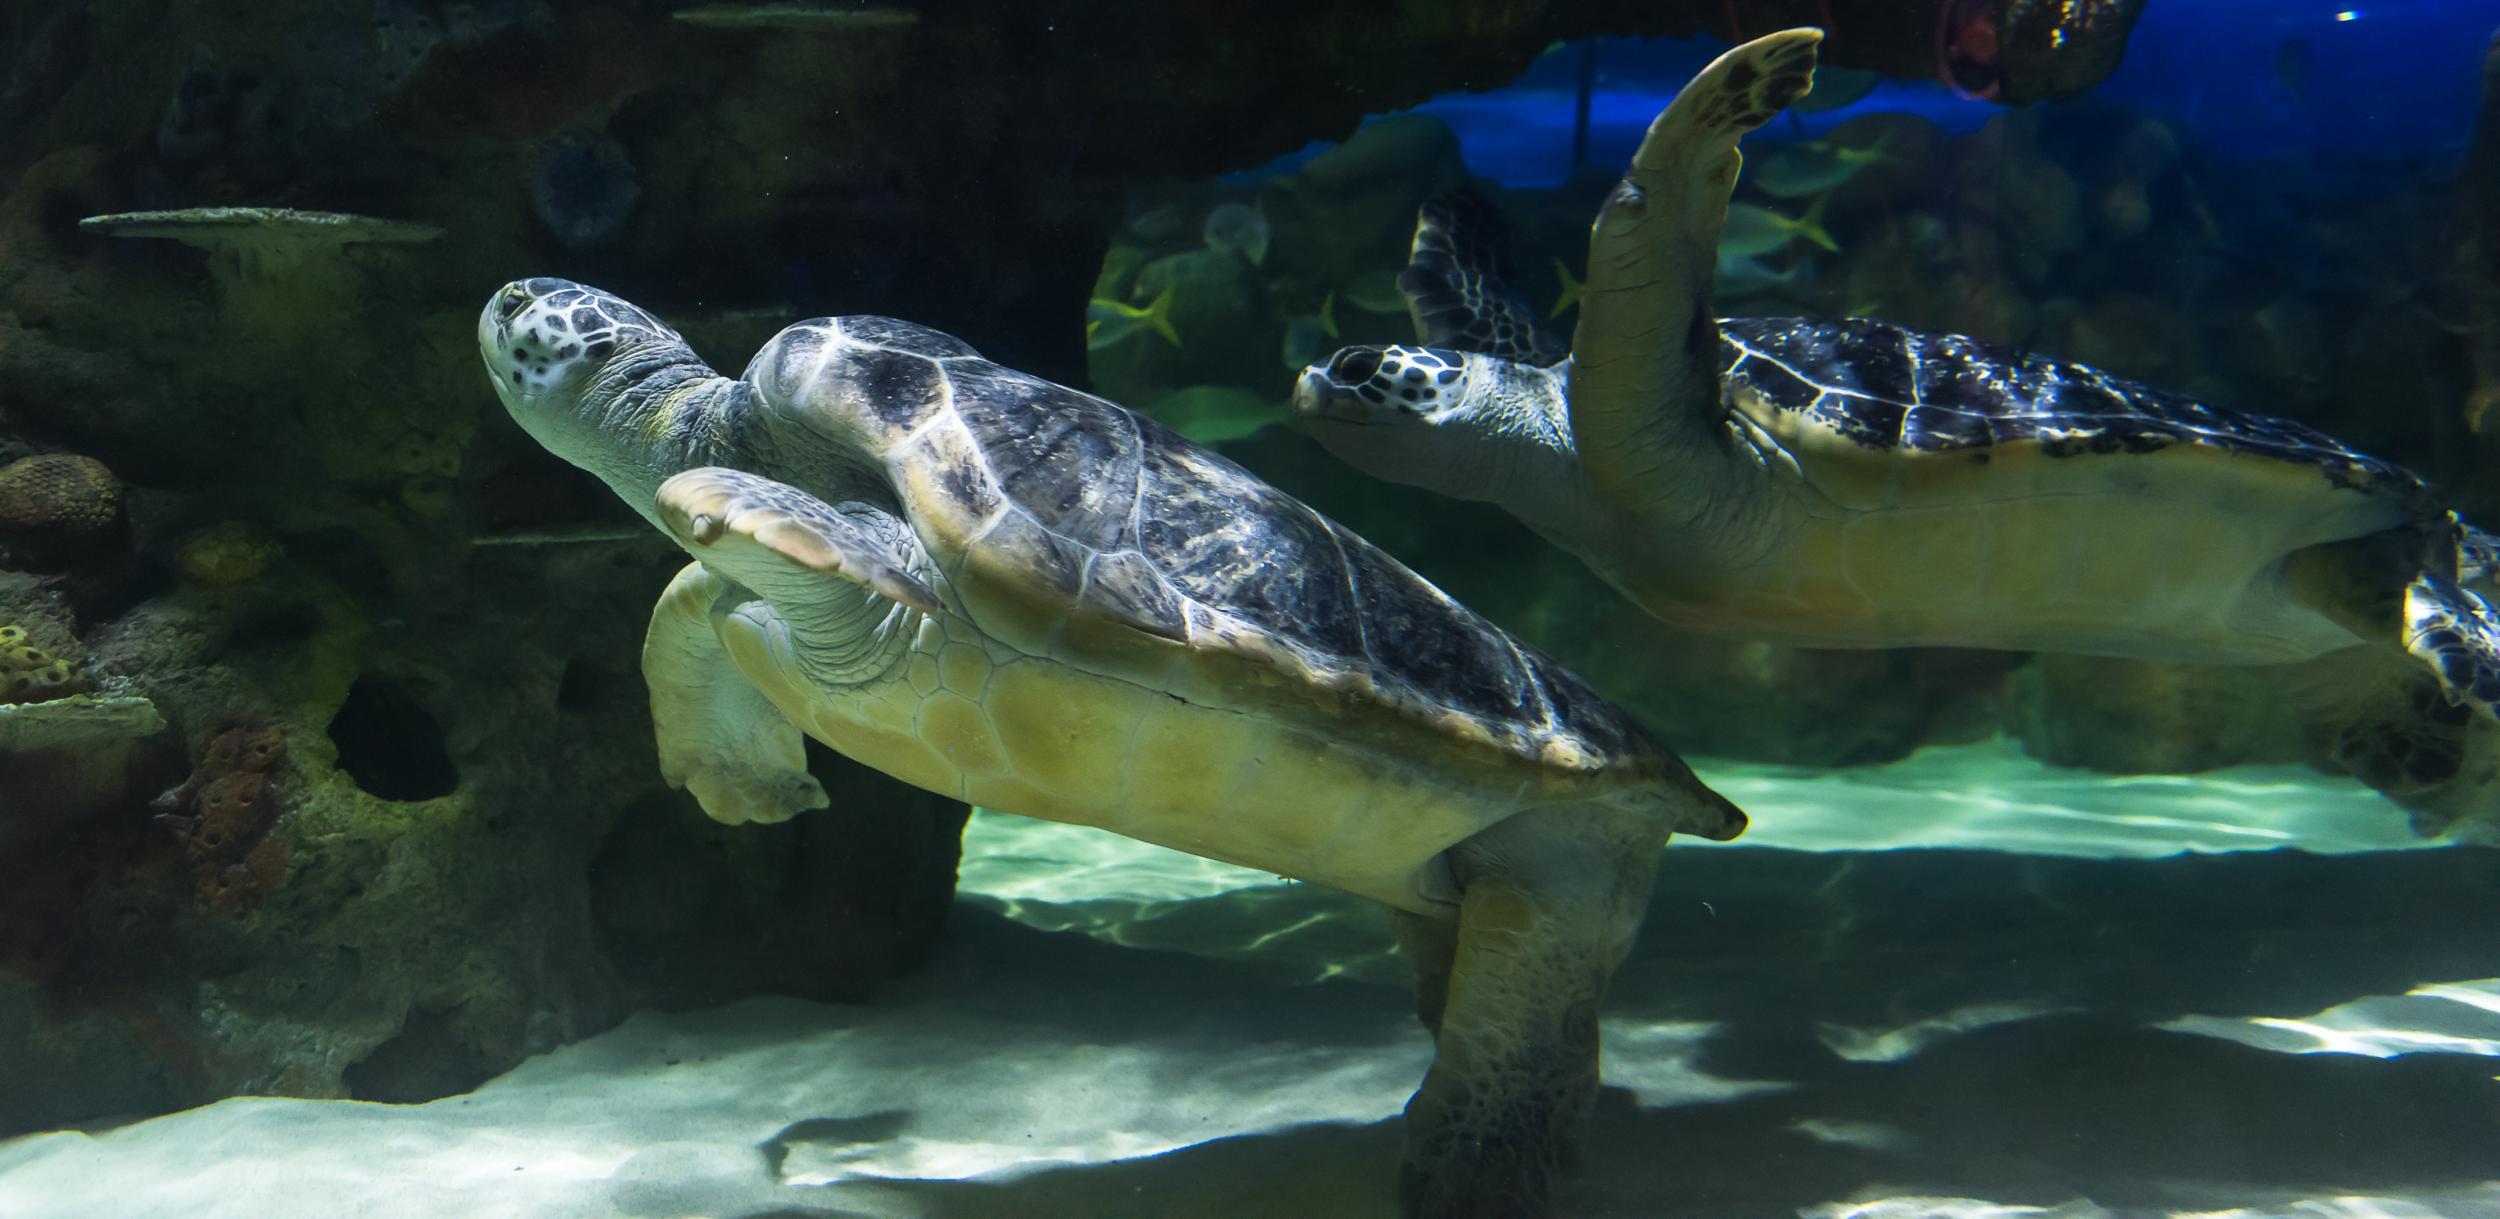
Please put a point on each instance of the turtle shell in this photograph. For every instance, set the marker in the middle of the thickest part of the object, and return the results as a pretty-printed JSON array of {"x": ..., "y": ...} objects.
[
  {"x": 1071, "y": 527},
  {"x": 1888, "y": 390},
  {"x": 1950, "y": 491}
]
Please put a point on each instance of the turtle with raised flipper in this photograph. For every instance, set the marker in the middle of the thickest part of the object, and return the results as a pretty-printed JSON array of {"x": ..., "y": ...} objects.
[
  {"x": 1031, "y": 599},
  {"x": 1856, "y": 484}
]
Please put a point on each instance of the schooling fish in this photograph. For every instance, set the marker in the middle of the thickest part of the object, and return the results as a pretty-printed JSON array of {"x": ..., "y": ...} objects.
[
  {"x": 1376, "y": 292},
  {"x": 1109, "y": 321},
  {"x": 1213, "y": 414},
  {"x": 1746, "y": 276},
  {"x": 1753, "y": 230},
  {"x": 1796, "y": 171}
]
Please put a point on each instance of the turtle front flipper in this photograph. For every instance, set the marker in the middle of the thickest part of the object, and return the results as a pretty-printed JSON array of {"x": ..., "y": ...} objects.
[
  {"x": 1457, "y": 285},
  {"x": 2457, "y": 633},
  {"x": 1645, "y": 376},
  {"x": 719, "y": 737},
  {"x": 763, "y": 533}
]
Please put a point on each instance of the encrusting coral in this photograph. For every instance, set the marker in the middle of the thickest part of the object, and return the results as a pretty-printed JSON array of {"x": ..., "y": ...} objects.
[
  {"x": 28, "y": 674},
  {"x": 222, "y": 815},
  {"x": 55, "y": 506},
  {"x": 227, "y": 555}
]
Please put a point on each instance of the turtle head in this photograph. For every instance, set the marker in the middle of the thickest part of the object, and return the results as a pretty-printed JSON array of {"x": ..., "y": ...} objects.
[
  {"x": 1397, "y": 387},
  {"x": 548, "y": 342},
  {"x": 1464, "y": 424},
  {"x": 598, "y": 381}
]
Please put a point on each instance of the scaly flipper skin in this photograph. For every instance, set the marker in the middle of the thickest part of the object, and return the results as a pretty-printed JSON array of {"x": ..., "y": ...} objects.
[
  {"x": 1457, "y": 286},
  {"x": 1550, "y": 902},
  {"x": 1644, "y": 391},
  {"x": 703, "y": 506},
  {"x": 719, "y": 737},
  {"x": 2456, "y": 633}
]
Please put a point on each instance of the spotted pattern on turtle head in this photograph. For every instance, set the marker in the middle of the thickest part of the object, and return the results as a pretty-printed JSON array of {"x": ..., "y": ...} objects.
[{"x": 539, "y": 332}]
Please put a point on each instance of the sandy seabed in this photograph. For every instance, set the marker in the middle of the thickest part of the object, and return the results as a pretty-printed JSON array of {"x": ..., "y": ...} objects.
[{"x": 1960, "y": 985}]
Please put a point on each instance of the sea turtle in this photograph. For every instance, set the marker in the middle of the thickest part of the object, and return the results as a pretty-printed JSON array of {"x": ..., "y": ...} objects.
[
  {"x": 1029, "y": 598},
  {"x": 1856, "y": 484}
]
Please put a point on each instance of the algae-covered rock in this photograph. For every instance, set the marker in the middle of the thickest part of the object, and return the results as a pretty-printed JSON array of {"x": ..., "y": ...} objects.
[
  {"x": 798, "y": 18},
  {"x": 64, "y": 761},
  {"x": 76, "y": 722},
  {"x": 387, "y": 857},
  {"x": 273, "y": 266}
]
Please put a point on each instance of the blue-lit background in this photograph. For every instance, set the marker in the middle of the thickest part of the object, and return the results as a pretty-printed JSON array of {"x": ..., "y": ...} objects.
[{"x": 2257, "y": 78}]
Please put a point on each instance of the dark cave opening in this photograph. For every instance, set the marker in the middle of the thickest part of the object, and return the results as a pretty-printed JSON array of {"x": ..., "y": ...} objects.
[
  {"x": 428, "y": 1059},
  {"x": 390, "y": 745}
]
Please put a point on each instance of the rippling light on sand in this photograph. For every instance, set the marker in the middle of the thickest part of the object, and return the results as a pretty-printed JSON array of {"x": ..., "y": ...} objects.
[
  {"x": 2442, "y": 1017},
  {"x": 1988, "y": 797},
  {"x": 1154, "y": 1050}
]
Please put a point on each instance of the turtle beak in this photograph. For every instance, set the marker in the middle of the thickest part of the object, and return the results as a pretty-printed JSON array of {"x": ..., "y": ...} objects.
[
  {"x": 1327, "y": 391},
  {"x": 1315, "y": 397}
]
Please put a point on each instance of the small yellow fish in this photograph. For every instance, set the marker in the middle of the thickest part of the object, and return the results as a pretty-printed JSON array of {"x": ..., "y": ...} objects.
[
  {"x": 1109, "y": 321},
  {"x": 1753, "y": 230},
  {"x": 1376, "y": 292},
  {"x": 1328, "y": 315},
  {"x": 1797, "y": 171},
  {"x": 1744, "y": 276},
  {"x": 1214, "y": 414},
  {"x": 1570, "y": 290}
]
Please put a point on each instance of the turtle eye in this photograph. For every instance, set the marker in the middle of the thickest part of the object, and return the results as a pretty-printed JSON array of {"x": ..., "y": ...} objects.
[
  {"x": 1354, "y": 365},
  {"x": 515, "y": 299}
]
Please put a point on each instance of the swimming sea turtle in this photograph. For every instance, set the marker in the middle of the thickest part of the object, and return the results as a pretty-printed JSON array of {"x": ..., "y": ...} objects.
[
  {"x": 1855, "y": 484},
  {"x": 1029, "y": 598}
]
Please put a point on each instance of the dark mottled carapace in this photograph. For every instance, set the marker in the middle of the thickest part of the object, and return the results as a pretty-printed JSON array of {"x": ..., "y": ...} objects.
[
  {"x": 1149, "y": 527},
  {"x": 1889, "y": 389}
]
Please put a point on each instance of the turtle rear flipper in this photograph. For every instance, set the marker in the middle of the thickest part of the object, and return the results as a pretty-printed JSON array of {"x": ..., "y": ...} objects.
[
  {"x": 762, "y": 534},
  {"x": 1549, "y": 900},
  {"x": 1457, "y": 284},
  {"x": 1646, "y": 354},
  {"x": 2457, "y": 633}
]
